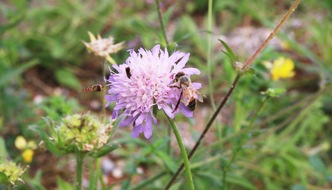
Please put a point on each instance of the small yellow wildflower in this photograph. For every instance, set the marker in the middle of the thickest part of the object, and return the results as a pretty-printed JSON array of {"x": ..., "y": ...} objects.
[
  {"x": 28, "y": 155},
  {"x": 103, "y": 47},
  {"x": 282, "y": 68},
  {"x": 20, "y": 142},
  {"x": 26, "y": 148}
]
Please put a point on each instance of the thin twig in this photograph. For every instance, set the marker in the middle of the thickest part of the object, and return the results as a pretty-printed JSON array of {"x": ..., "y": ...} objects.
[
  {"x": 162, "y": 23},
  {"x": 246, "y": 65},
  {"x": 273, "y": 33}
]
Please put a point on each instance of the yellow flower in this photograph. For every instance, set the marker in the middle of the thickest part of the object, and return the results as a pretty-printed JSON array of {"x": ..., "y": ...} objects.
[
  {"x": 26, "y": 148},
  {"x": 282, "y": 68},
  {"x": 103, "y": 47},
  {"x": 28, "y": 155},
  {"x": 20, "y": 142}
]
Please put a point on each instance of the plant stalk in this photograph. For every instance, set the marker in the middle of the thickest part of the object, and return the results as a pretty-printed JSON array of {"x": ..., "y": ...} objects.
[
  {"x": 79, "y": 169},
  {"x": 183, "y": 153},
  {"x": 162, "y": 23}
]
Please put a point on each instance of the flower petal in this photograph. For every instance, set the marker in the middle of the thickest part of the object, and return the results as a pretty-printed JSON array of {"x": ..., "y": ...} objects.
[
  {"x": 136, "y": 131},
  {"x": 186, "y": 111},
  {"x": 148, "y": 127}
]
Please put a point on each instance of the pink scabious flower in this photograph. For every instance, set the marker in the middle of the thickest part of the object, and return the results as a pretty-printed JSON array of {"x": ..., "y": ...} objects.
[{"x": 140, "y": 86}]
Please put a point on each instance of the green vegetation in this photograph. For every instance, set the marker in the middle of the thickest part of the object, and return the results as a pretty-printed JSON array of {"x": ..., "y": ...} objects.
[{"x": 274, "y": 132}]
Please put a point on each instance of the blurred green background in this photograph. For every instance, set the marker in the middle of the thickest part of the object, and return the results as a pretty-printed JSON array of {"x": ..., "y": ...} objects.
[{"x": 44, "y": 65}]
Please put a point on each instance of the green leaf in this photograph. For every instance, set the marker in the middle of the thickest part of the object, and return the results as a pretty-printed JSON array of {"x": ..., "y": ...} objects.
[
  {"x": 62, "y": 185},
  {"x": 3, "y": 178},
  {"x": 241, "y": 181},
  {"x": 3, "y": 151},
  {"x": 167, "y": 15},
  {"x": 168, "y": 161},
  {"x": 274, "y": 92},
  {"x": 67, "y": 78},
  {"x": 104, "y": 150},
  {"x": 250, "y": 71},
  {"x": 13, "y": 74},
  {"x": 229, "y": 53}
]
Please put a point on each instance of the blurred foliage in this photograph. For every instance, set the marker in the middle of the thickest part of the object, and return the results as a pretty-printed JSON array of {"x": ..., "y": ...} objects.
[{"x": 288, "y": 146}]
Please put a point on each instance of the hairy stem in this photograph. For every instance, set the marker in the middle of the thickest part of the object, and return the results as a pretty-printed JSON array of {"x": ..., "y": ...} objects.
[
  {"x": 79, "y": 169},
  {"x": 246, "y": 65},
  {"x": 183, "y": 153}
]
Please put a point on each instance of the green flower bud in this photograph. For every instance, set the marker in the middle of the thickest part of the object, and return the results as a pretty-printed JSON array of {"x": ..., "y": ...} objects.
[
  {"x": 82, "y": 131},
  {"x": 12, "y": 171}
]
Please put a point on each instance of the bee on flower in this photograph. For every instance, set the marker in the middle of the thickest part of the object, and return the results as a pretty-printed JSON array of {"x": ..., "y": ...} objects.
[{"x": 152, "y": 80}]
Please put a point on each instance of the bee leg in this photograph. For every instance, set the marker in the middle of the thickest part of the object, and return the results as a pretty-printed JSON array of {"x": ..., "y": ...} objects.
[{"x": 178, "y": 103}]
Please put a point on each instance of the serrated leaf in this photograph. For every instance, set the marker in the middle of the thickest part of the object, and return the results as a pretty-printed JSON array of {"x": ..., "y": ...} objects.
[
  {"x": 67, "y": 78},
  {"x": 228, "y": 49},
  {"x": 104, "y": 150}
]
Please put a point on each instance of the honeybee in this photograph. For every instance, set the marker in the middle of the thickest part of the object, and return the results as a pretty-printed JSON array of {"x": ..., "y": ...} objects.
[
  {"x": 93, "y": 88},
  {"x": 189, "y": 95}
]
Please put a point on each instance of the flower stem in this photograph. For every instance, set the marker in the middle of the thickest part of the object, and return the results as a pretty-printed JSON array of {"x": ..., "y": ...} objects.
[
  {"x": 162, "y": 23},
  {"x": 79, "y": 169},
  {"x": 103, "y": 95},
  {"x": 183, "y": 153}
]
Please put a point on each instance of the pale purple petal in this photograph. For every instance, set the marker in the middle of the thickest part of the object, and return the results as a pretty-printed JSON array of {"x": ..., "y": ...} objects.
[
  {"x": 168, "y": 111},
  {"x": 136, "y": 131},
  {"x": 187, "y": 112},
  {"x": 191, "y": 71},
  {"x": 148, "y": 127},
  {"x": 182, "y": 62},
  {"x": 126, "y": 121},
  {"x": 197, "y": 85}
]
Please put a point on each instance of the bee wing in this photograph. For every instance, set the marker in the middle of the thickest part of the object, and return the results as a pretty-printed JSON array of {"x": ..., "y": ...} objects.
[
  {"x": 186, "y": 96},
  {"x": 198, "y": 96}
]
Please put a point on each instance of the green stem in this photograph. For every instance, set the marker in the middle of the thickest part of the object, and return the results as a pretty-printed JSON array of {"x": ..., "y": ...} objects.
[
  {"x": 103, "y": 95},
  {"x": 79, "y": 169},
  {"x": 162, "y": 23},
  {"x": 209, "y": 53},
  {"x": 183, "y": 153}
]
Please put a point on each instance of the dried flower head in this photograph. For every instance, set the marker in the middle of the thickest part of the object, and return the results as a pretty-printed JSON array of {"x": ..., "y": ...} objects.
[
  {"x": 103, "y": 47},
  {"x": 12, "y": 171},
  {"x": 83, "y": 132},
  {"x": 141, "y": 86}
]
